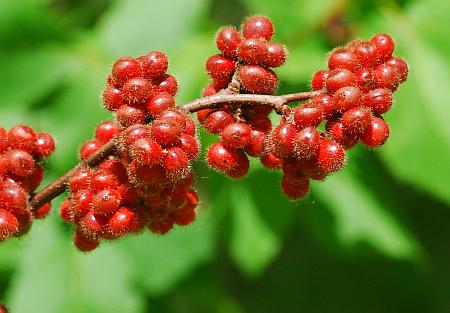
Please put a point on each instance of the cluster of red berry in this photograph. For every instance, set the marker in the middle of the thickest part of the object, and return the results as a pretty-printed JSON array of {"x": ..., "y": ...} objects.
[
  {"x": 242, "y": 129},
  {"x": 139, "y": 88},
  {"x": 21, "y": 151},
  {"x": 148, "y": 182},
  {"x": 357, "y": 89}
]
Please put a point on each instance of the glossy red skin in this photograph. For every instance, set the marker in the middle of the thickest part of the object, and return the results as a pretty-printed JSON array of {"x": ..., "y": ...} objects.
[
  {"x": 376, "y": 133},
  {"x": 190, "y": 146},
  {"x": 106, "y": 201},
  {"x": 319, "y": 79},
  {"x": 146, "y": 151},
  {"x": 308, "y": 115},
  {"x": 20, "y": 163},
  {"x": 339, "y": 78},
  {"x": 217, "y": 121},
  {"x": 294, "y": 190},
  {"x": 106, "y": 131},
  {"x": 159, "y": 102},
  {"x": 176, "y": 164},
  {"x": 276, "y": 55},
  {"x": 256, "y": 144},
  {"x": 384, "y": 46},
  {"x": 220, "y": 67},
  {"x": 81, "y": 180},
  {"x": 222, "y": 158},
  {"x": 364, "y": 79},
  {"x": 89, "y": 147},
  {"x": 331, "y": 156},
  {"x": 236, "y": 135},
  {"x": 83, "y": 243},
  {"x": 113, "y": 98},
  {"x": 9, "y": 224},
  {"x": 342, "y": 58},
  {"x": 22, "y": 137},
  {"x": 154, "y": 64},
  {"x": 257, "y": 79},
  {"x": 337, "y": 133},
  {"x": 166, "y": 83},
  {"x": 165, "y": 132},
  {"x": 385, "y": 76},
  {"x": 365, "y": 53},
  {"x": 379, "y": 100},
  {"x": 127, "y": 115},
  {"x": 347, "y": 98},
  {"x": 258, "y": 27},
  {"x": 252, "y": 51},
  {"x": 241, "y": 168},
  {"x": 45, "y": 145},
  {"x": 228, "y": 40},
  {"x": 270, "y": 161},
  {"x": 125, "y": 69},
  {"x": 282, "y": 140},
  {"x": 356, "y": 120},
  {"x": 326, "y": 103},
  {"x": 306, "y": 143}
]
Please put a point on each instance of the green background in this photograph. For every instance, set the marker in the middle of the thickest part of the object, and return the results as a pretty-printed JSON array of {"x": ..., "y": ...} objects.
[{"x": 373, "y": 238}]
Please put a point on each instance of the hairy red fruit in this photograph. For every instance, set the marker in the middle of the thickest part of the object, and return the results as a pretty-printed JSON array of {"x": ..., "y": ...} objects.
[
  {"x": 146, "y": 174},
  {"x": 133, "y": 133},
  {"x": 165, "y": 132},
  {"x": 331, "y": 156},
  {"x": 282, "y": 140},
  {"x": 306, "y": 143},
  {"x": 376, "y": 133},
  {"x": 166, "y": 83},
  {"x": 42, "y": 211},
  {"x": 81, "y": 203},
  {"x": 258, "y": 27},
  {"x": 365, "y": 52},
  {"x": 276, "y": 55},
  {"x": 146, "y": 151},
  {"x": 20, "y": 163},
  {"x": 92, "y": 226},
  {"x": 342, "y": 58},
  {"x": 339, "y": 78},
  {"x": 228, "y": 40},
  {"x": 174, "y": 116},
  {"x": 112, "y": 98},
  {"x": 308, "y": 115},
  {"x": 338, "y": 134},
  {"x": 103, "y": 179},
  {"x": 160, "y": 227},
  {"x": 401, "y": 67},
  {"x": 154, "y": 64},
  {"x": 184, "y": 217},
  {"x": 9, "y": 225},
  {"x": 65, "y": 211},
  {"x": 13, "y": 198},
  {"x": 122, "y": 222},
  {"x": 217, "y": 121},
  {"x": 137, "y": 90},
  {"x": 257, "y": 79},
  {"x": 23, "y": 138},
  {"x": 89, "y": 147},
  {"x": 220, "y": 69},
  {"x": 356, "y": 120},
  {"x": 384, "y": 46},
  {"x": 347, "y": 98},
  {"x": 45, "y": 145},
  {"x": 84, "y": 243},
  {"x": 125, "y": 69},
  {"x": 3, "y": 139},
  {"x": 176, "y": 164},
  {"x": 385, "y": 76},
  {"x": 106, "y": 131},
  {"x": 319, "y": 79},
  {"x": 326, "y": 103},
  {"x": 269, "y": 160},
  {"x": 222, "y": 158},
  {"x": 190, "y": 146},
  {"x": 261, "y": 122},
  {"x": 236, "y": 135},
  {"x": 252, "y": 51},
  {"x": 364, "y": 79},
  {"x": 241, "y": 168},
  {"x": 159, "y": 102},
  {"x": 106, "y": 201},
  {"x": 379, "y": 100},
  {"x": 81, "y": 180},
  {"x": 294, "y": 189},
  {"x": 256, "y": 143},
  {"x": 127, "y": 115}
]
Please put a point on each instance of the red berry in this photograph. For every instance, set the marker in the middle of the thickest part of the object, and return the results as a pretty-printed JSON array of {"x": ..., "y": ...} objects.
[
  {"x": 174, "y": 116},
  {"x": 270, "y": 161},
  {"x": 190, "y": 146},
  {"x": 3, "y": 139},
  {"x": 166, "y": 83},
  {"x": 45, "y": 145},
  {"x": 356, "y": 120},
  {"x": 137, "y": 90},
  {"x": 154, "y": 64},
  {"x": 146, "y": 174},
  {"x": 133, "y": 133},
  {"x": 115, "y": 167},
  {"x": 384, "y": 46},
  {"x": 385, "y": 76},
  {"x": 364, "y": 79},
  {"x": 33, "y": 180},
  {"x": 260, "y": 121},
  {"x": 319, "y": 79},
  {"x": 127, "y": 115},
  {"x": 184, "y": 217},
  {"x": 228, "y": 40},
  {"x": 306, "y": 143},
  {"x": 276, "y": 55},
  {"x": 106, "y": 201},
  {"x": 365, "y": 52},
  {"x": 376, "y": 133},
  {"x": 379, "y": 100},
  {"x": 20, "y": 163},
  {"x": 241, "y": 168},
  {"x": 190, "y": 128},
  {"x": 160, "y": 227},
  {"x": 401, "y": 68},
  {"x": 106, "y": 131},
  {"x": 210, "y": 90},
  {"x": 83, "y": 243},
  {"x": 103, "y": 179},
  {"x": 258, "y": 27},
  {"x": 81, "y": 204},
  {"x": 326, "y": 103},
  {"x": 347, "y": 98},
  {"x": 8, "y": 225},
  {"x": 92, "y": 226},
  {"x": 256, "y": 144},
  {"x": 236, "y": 135},
  {"x": 81, "y": 180},
  {"x": 222, "y": 158},
  {"x": 89, "y": 147},
  {"x": 146, "y": 151},
  {"x": 43, "y": 211},
  {"x": 159, "y": 102},
  {"x": 65, "y": 211},
  {"x": 217, "y": 121},
  {"x": 252, "y": 51},
  {"x": 339, "y": 78},
  {"x": 331, "y": 156},
  {"x": 165, "y": 132},
  {"x": 220, "y": 69},
  {"x": 282, "y": 140},
  {"x": 176, "y": 164},
  {"x": 22, "y": 137},
  {"x": 338, "y": 134},
  {"x": 122, "y": 222},
  {"x": 342, "y": 58},
  {"x": 112, "y": 98},
  {"x": 294, "y": 189},
  {"x": 308, "y": 115},
  {"x": 257, "y": 79},
  {"x": 125, "y": 69}
]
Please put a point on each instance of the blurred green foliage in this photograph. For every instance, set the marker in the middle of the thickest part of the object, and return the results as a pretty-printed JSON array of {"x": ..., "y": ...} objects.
[{"x": 373, "y": 238}]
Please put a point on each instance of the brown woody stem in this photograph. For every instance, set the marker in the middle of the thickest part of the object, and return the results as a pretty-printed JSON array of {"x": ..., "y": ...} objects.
[{"x": 278, "y": 103}]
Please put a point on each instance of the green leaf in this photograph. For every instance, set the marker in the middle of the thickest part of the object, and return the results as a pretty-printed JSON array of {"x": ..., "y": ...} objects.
[
  {"x": 253, "y": 245},
  {"x": 137, "y": 26},
  {"x": 361, "y": 218},
  {"x": 160, "y": 262}
]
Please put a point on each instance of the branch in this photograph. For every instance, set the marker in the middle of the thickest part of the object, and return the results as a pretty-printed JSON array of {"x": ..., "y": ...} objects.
[{"x": 278, "y": 103}]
